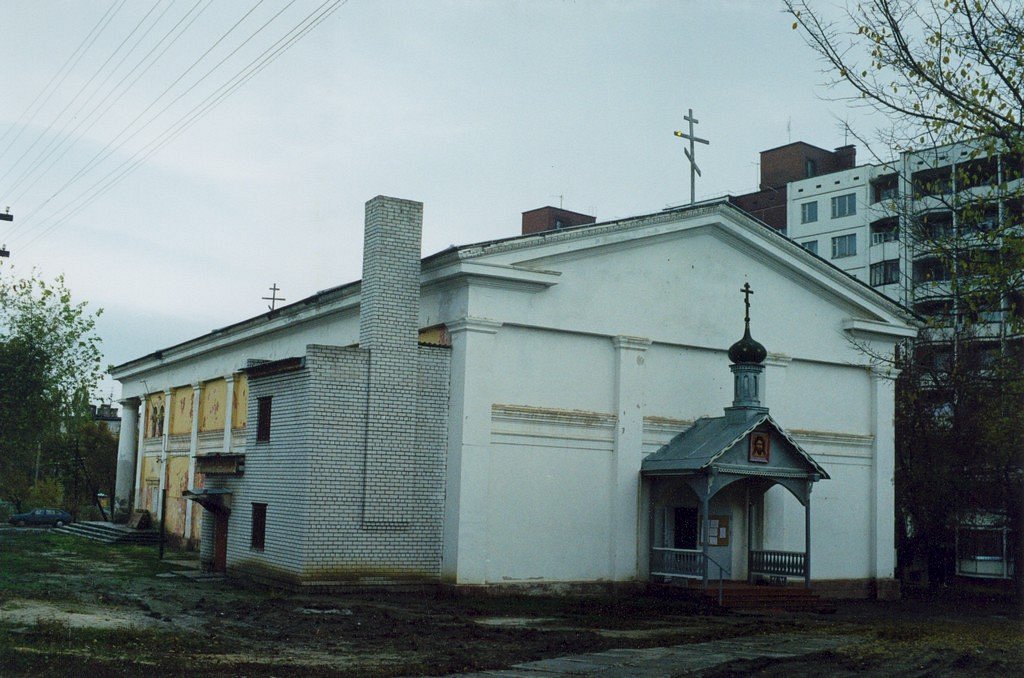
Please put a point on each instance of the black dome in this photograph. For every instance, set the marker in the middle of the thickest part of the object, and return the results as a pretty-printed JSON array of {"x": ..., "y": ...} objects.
[{"x": 747, "y": 350}]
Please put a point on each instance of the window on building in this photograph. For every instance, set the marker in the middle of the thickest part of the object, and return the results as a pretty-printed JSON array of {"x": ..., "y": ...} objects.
[
  {"x": 884, "y": 230},
  {"x": 263, "y": 419},
  {"x": 885, "y": 188},
  {"x": 810, "y": 167},
  {"x": 936, "y": 225},
  {"x": 885, "y": 272},
  {"x": 930, "y": 270},
  {"x": 810, "y": 246},
  {"x": 932, "y": 181},
  {"x": 809, "y": 212},
  {"x": 844, "y": 246},
  {"x": 977, "y": 172},
  {"x": 984, "y": 552},
  {"x": 259, "y": 526},
  {"x": 844, "y": 205}
]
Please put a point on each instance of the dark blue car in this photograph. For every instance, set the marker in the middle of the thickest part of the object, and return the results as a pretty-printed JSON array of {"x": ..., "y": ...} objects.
[{"x": 41, "y": 516}]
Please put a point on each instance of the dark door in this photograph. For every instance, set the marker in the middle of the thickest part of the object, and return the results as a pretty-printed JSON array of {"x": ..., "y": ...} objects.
[
  {"x": 220, "y": 542},
  {"x": 686, "y": 527}
]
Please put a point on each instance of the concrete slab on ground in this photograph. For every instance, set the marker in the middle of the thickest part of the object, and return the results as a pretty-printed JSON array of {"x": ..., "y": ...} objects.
[{"x": 670, "y": 661}]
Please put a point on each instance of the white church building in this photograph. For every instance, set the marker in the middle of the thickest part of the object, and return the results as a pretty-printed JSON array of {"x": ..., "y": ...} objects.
[{"x": 567, "y": 407}]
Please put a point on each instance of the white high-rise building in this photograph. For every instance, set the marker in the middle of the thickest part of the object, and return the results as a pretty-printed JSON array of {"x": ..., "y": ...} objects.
[{"x": 884, "y": 224}]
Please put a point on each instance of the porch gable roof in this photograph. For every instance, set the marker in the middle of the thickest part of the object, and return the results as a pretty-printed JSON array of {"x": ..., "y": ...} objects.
[{"x": 703, "y": 445}]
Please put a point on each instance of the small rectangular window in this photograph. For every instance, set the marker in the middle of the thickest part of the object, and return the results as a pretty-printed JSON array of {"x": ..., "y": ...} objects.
[
  {"x": 885, "y": 272},
  {"x": 263, "y": 419},
  {"x": 810, "y": 246},
  {"x": 809, "y": 212},
  {"x": 259, "y": 526},
  {"x": 844, "y": 246},
  {"x": 844, "y": 205}
]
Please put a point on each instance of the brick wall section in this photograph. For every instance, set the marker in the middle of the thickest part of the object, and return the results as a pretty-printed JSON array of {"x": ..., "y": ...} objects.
[
  {"x": 553, "y": 218},
  {"x": 388, "y": 329},
  {"x": 278, "y": 473},
  {"x": 314, "y": 473}
]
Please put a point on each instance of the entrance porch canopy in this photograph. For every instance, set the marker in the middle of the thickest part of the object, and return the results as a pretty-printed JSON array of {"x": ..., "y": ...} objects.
[
  {"x": 718, "y": 451},
  {"x": 715, "y": 452}
]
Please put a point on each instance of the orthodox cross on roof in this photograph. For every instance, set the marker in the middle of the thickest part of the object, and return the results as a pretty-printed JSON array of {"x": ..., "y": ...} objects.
[
  {"x": 273, "y": 298},
  {"x": 747, "y": 291},
  {"x": 694, "y": 170}
]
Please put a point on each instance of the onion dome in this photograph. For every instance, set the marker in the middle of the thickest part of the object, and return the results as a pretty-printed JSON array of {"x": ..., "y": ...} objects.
[{"x": 747, "y": 350}]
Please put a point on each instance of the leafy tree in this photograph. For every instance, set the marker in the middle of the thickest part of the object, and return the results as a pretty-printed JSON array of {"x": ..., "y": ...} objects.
[
  {"x": 949, "y": 72},
  {"x": 50, "y": 361}
]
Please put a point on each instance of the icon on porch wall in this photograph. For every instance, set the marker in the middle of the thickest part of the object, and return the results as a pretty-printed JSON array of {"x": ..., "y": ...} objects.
[{"x": 760, "y": 448}]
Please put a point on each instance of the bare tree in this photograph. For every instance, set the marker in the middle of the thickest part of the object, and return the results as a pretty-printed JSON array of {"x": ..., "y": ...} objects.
[{"x": 949, "y": 73}]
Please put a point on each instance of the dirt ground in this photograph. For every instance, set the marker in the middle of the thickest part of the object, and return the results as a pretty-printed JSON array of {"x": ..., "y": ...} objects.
[{"x": 68, "y": 605}]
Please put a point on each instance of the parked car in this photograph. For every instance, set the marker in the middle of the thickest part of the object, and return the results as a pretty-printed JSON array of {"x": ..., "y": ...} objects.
[{"x": 41, "y": 516}]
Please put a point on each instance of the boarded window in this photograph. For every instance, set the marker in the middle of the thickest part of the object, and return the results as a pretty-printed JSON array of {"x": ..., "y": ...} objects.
[
  {"x": 263, "y": 419},
  {"x": 259, "y": 526}
]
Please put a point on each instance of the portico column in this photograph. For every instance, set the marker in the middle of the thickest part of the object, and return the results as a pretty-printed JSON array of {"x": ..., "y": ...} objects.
[
  {"x": 629, "y": 441},
  {"x": 163, "y": 452},
  {"x": 193, "y": 447},
  {"x": 883, "y": 500},
  {"x": 464, "y": 549},
  {"x": 140, "y": 452},
  {"x": 229, "y": 411},
  {"x": 127, "y": 444}
]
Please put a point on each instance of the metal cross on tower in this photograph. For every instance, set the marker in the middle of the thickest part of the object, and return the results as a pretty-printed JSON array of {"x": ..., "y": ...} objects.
[
  {"x": 747, "y": 291},
  {"x": 694, "y": 170},
  {"x": 273, "y": 298}
]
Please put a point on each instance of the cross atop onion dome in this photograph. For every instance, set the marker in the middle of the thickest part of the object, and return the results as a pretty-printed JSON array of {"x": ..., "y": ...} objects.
[{"x": 747, "y": 350}]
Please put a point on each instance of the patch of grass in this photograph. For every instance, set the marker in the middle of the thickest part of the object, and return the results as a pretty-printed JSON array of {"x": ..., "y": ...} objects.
[{"x": 52, "y": 647}]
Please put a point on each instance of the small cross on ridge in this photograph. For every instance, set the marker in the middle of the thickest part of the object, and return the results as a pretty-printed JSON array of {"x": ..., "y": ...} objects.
[{"x": 747, "y": 291}]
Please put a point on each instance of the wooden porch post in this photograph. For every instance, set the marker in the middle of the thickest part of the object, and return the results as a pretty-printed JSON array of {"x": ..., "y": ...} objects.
[
  {"x": 807, "y": 539},
  {"x": 705, "y": 506},
  {"x": 750, "y": 535}
]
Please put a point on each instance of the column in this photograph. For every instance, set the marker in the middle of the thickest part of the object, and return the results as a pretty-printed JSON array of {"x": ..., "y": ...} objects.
[
  {"x": 127, "y": 444},
  {"x": 140, "y": 454},
  {"x": 629, "y": 442},
  {"x": 193, "y": 447},
  {"x": 464, "y": 551},
  {"x": 168, "y": 406},
  {"x": 883, "y": 468},
  {"x": 229, "y": 411}
]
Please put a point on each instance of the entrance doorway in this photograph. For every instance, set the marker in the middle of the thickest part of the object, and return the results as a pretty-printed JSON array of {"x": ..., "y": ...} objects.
[{"x": 220, "y": 541}]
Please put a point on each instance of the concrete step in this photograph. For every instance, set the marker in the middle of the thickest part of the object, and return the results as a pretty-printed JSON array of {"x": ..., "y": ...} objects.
[
  {"x": 110, "y": 533},
  {"x": 753, "y": 597}
]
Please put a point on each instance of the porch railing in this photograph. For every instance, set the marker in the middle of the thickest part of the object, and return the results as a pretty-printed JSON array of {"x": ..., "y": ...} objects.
[
  {"x": 686, "y": 564},
  {"x": 778, "y": 563}
]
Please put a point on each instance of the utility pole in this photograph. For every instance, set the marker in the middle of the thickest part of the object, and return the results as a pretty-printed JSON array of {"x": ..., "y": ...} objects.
[{"x": 5, "y": 216}]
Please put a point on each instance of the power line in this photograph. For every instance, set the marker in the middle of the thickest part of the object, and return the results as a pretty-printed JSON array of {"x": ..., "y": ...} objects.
[
  {"x": 86, "y": 43},
  {"x": 74, "y": 99},
  {"x": 93, "y": 161},
  {"x": 72, "y": 138},
  {"x": 49, "y": 149},
  {"x": 233, "y": 84}
]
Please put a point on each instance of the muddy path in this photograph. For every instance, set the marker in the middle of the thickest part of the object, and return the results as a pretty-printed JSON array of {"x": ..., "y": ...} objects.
[{"x": 72, "y": 606}]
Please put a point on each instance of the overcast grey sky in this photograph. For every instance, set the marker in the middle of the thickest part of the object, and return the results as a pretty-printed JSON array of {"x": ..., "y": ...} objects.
[{"x": 480, "y": 109}]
